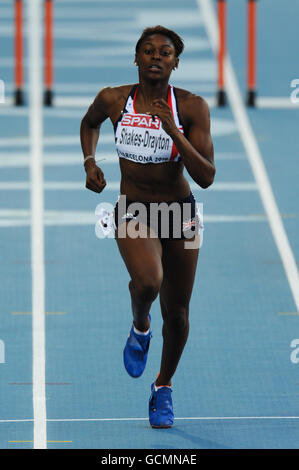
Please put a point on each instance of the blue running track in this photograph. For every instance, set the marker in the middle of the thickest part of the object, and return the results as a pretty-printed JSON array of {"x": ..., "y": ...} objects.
[{"x": 237, "y": 383}]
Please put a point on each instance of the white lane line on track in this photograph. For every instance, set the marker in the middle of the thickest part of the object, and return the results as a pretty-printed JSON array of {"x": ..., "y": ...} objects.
[
  {"x": 192, "y": 418},
  {"x": 51, "y": 140},
  {"x": 93, "y": 88},
  {"x": 20, "y": 218},
  {"x": 191, "y": 43},
  {"x": 85, "y": 101},
  {"x": 190, "y": 70},
  {"x": 208, "y": 418},
  {"x": 115, "y": 185},
  {"x": 254, "y": 157},
  {"x": 276, "y": 102},
  {"x": 91, "y": 220},
  {"x": 69, "y": 87},
  {"x": 9, "y": 110},
  {"x": 63, "y": 2},
  {"x": 22, "y": 159},
  {"x": 66, "y": 101},
  {"x": 75, "y": 13},
  {"x": 37, "y": 229},
  {"x": 91, "y": 33}
]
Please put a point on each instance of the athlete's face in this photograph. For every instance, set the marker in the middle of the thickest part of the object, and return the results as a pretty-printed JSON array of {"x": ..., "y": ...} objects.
[{"x": 156, "y": 57}]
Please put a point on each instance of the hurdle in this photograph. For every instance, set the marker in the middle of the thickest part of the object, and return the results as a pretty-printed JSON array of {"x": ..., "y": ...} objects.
[
  {"x": 251, "y": 52},
  {"x": 19, "y": 50},
  {"x": 19, "y": 53},
  {"x": 48, "y": 53},
  {"x": 222, "y": 14}
]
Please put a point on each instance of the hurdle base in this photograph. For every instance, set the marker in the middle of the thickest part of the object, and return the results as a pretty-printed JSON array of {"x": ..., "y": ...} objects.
[
  {"x": 251, "y": 98},
  {"x": 48, "y": 98},
  {"x": 221, "y": 98},
  {"x": 19, "y": 97}
]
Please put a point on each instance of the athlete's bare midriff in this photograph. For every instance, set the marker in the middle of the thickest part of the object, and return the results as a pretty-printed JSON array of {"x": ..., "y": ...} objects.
[{"x": 153, "y": 182}]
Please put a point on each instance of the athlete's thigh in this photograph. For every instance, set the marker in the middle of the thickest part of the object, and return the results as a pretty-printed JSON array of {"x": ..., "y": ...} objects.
[
  {"x": 179, "y": 268},
  {"x": 142, "y": 256}
]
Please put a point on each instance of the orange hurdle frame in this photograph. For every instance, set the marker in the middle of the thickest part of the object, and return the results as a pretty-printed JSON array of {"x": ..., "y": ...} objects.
[
  {"x": 251, "y": 52},
  {"x": 18, "y": 50},
  {"x": 221, "y": 95},
  {"x": 48, "y": 52}
]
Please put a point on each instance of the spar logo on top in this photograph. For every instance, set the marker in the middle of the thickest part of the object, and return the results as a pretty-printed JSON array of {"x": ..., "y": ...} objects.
[{"x": 145, "y": 122}]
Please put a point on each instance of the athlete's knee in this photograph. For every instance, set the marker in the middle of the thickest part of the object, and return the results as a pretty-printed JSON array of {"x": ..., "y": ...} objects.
[
  {"x": 146, "y": 287},
  {"x": 176, "y": 317}
]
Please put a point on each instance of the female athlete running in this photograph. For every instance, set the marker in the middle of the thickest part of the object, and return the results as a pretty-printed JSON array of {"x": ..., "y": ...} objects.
[{"x": 159, "y": 130}]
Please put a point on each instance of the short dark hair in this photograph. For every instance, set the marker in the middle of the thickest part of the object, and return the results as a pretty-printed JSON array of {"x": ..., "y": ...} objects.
[{"x": 174, "y": 37}]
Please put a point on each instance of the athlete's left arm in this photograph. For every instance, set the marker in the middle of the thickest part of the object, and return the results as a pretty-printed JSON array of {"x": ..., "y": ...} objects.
[{"x": 196, "y": 148}]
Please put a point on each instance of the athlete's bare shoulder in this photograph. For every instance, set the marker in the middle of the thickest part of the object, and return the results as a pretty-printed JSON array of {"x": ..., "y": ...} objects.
[
  {"x": 112, "y": 94},
  {"x": 108, "y": 103},
  {"x": 188, "y": 99},
  {"x": 191, "y": 107}
]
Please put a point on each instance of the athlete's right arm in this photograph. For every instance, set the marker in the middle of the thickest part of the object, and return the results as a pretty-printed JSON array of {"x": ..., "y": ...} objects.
[{"x": 97, "y": 113}]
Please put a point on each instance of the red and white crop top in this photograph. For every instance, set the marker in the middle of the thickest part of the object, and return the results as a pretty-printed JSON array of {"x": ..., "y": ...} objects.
[{"x": 142, "y": 139}]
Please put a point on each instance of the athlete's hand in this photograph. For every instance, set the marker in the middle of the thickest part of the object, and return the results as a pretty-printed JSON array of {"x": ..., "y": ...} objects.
[
  {"x": 95, "y": 180},
  {"x": 164, "y": 112}
]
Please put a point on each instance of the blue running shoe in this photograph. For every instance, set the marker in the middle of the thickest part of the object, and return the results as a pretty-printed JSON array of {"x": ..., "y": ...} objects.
[
  {"x": 161, "y": 408},
  {"x": 136, "y": 351}
]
